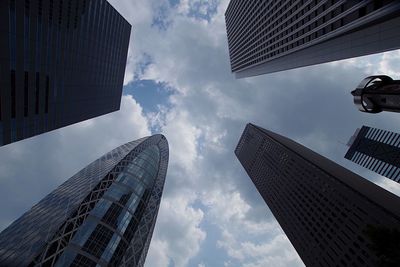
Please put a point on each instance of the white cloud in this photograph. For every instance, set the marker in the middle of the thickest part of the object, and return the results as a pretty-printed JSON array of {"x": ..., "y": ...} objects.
[
  {"x": 182, "y": 136},
  {"x": 158, "y": 254},
  {"x": 390, "y": 64},
  {"x": 178, "y": 231},
  {"x": 252, "y": 243},
  {"x": 200, "y": 8},
  {"x": 230, "y": 211},
  {"x": 276, "y": 252},
  {"x": 127, "y": 124}
]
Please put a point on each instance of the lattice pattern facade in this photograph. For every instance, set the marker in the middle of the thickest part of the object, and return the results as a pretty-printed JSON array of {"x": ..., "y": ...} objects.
[
  {"x": 61, "y": 62},
  {"x": 108, "y": 220},
  {"x": 260, "y": 32},
  {"x": 324, "y": 209},
  {"x": 377, "y": 150}
]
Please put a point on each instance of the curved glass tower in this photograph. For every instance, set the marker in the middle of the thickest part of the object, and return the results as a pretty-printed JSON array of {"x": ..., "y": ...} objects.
[{"x": 102, "y": 216}]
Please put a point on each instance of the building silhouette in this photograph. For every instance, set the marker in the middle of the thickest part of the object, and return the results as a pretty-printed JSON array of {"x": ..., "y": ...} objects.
[
  {"x": 102, "y": 216},
  {"x": 330, "y": 214},
  {"x": 377, "y": 150},
  {"x": 61, "y": 62},
  {"x": 377, "y": 93},
  {"x": 268, "y": 36}
]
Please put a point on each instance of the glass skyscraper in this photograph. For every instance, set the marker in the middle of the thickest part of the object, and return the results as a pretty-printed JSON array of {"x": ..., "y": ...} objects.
[
  {"x": 61, "y": 62},
  {"x": 102, "y": 216},
  {"x": 267, "y": 36},
  {"x": 377, "y": 150},
  {"x": 332, "y": 216},
  {"x": 377, "y": 93}
]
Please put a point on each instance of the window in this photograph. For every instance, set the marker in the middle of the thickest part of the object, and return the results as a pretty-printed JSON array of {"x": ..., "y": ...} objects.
[
  {"x": 13, "y": 130},
  {"x": 362, "y": 12},
  {"x": 13, "y": 100},
  {"x": 98, "y": 241},
  {"x": 26, "y": 92},
  {"x": 37, "y": 87},
  {"x": 46, "y": 107},
  {"x": 1, "y": 133},
  {"x": 82, "y": 261},
  {"x": 0, "y": 112},
  {"x": 26, "y": 35},
  {"x": 12, "y": 35},
  {"x": 60, "y": 9}
]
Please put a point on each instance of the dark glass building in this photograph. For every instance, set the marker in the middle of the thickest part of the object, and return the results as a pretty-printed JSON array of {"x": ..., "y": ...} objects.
[
  {"x": 102, "y": 216},
  {"x": 377, "y": 150},
  {"x": 267, "y": 36},
  {"x": 61, "y": 62},
  {"x": 332, "y": 216}
]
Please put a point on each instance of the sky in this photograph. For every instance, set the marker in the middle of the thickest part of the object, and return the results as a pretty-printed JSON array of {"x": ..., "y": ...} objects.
[{"x": 178, "y": 82}]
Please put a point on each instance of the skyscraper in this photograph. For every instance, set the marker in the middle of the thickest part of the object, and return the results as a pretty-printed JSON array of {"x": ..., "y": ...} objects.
[
  {"x": 102, "y": 216},
  {"x": 330, "y": 215},
  {"x": 377, "y": 93},
  {"x": 377, "y": 150},
  {"x": 267, "y": 36},
  {"x": 61, "y": 62}
]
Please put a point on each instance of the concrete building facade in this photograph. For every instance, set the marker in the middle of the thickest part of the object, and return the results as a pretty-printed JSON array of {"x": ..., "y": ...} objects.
[{"x": 267, "y": 36}]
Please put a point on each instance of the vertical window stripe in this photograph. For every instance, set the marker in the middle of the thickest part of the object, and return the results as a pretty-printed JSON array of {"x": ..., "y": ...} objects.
[
  {"x": 37, "y": 88},
  {"x": 46, "y": 107},
  {"x": 371, "y": 162},
  {"x": 390, "y": 139},
  {"x": 12, "y": 25},
  {"x": 396, "y": 175},
  {"x": 395, "y": 138},
  {"x": 13, "y": 100},
  {"x": 383, "y": 137},
  {"x": 364, "y": 159},
  {"x": 359, "y": 158},
  {"x": 354, "y": 157},
  {"x": 397, "y": 141},
  {"x": 379, "y": 136},
  {"x": 381, "y": 169},
  {"x": 374, "y": 131},
  {"x": 26, "y": 35},
  {"x": 369, "y": 132},
  {"x": 391, "y": 171},
  {"x": 26, "y": 93},
  {"x": 377, "y": 166}
]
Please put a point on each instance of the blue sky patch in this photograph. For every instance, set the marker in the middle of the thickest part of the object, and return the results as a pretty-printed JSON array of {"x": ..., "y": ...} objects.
[
  {"x": 161, "y": 21},
  {"x": 149, "y": 94},
  {"x": 174, "y": 3},
  {"x": 203, "y": 10},
  {"x": 142, "y": 65},
  {"x": 209, "y": 254}
]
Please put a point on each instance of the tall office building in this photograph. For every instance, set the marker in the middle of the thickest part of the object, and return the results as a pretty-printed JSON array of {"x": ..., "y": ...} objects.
[
  {"x": 377, "y": 150},
  {"x": 330, "y": 215},
  {"x": 377, "y": 93},
  {"x": 102, "y": 216},
  {"x": 61, "y": 62},
  {"x": 267, "y": 36}
]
